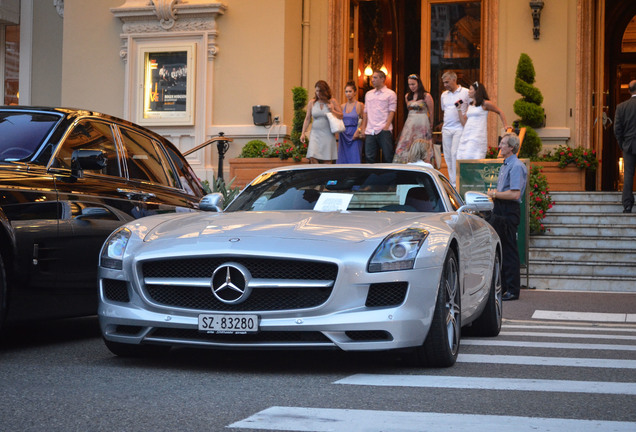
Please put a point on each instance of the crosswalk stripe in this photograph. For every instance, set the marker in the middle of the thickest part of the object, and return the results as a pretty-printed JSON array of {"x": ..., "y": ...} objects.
[
  {"x": 568, "y": 335},
  {"x": 564, "y": 345},
  {"x": 547, "y": 361},
  {"x": 600, "y": 328},
  {"x": 469, "y": 383},
  {"x": 347, "y": 420}
]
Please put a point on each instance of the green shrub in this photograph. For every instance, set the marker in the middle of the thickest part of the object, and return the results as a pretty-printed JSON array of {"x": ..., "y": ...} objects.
[
  {"x": 539, "y": 199},
  {"x": 254, "y": 149}
]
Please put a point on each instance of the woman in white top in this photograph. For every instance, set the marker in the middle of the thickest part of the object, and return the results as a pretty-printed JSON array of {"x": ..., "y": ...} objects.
[
  {"x": 474, "y": 142},
  {"x": 322, "y": 142}
]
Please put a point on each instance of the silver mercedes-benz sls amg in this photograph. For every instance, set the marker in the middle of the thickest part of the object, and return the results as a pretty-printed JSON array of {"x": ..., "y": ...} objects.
[{"x": 356, "y": 257}]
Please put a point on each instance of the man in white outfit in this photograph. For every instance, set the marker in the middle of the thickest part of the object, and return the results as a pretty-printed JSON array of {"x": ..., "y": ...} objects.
[{"x": 454, "y": 96}]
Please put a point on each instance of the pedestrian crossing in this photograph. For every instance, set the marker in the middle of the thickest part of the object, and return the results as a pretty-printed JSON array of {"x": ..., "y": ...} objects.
[{"x": 607, "y": 350}]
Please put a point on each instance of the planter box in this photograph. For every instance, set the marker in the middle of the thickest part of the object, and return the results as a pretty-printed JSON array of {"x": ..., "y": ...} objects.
[
  {"x": 568, "y": 179},
  {"x": 244, "y": 170}
]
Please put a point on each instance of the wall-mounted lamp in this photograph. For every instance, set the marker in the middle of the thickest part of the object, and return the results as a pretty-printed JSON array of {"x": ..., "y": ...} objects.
[
  {"x": 368, "y": 71},
  {"x": 536, "y": 6}
]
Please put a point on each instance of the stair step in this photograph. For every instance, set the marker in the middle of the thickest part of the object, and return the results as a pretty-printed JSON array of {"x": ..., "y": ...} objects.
[
  {"x": 596, "y": 197},
  {"x": 603, "y": 208},
  {"x": 613, "y": 284},
  {"x": 601, "y": 219},
  {"x": 577, "y": 268},
  {"x": 556, "y": 229},
  {"x": 573, "y": 242},
  {"x": 582, "y": 255}
]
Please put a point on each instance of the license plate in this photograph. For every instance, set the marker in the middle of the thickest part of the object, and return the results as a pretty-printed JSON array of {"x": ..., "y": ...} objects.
[{"x": 228, "y": 324}]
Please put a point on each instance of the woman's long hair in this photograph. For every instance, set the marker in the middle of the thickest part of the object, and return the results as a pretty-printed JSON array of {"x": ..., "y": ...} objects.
[
  {"x": 480, "y": 94},
  {"x": 421, "y": 91},
  {"x": 325, "y": 91}
]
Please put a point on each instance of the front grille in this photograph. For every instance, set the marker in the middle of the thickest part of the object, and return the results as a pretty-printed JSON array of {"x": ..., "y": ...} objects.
[
  {"x": 115, "y": 290},
  {"x": 386, "y": 294},
  {"x": 369, "y": 335},
  {"x": 262, "y": 299},
  {"x": 260, "y": 268},
  {"x": 260, "y": 337}
]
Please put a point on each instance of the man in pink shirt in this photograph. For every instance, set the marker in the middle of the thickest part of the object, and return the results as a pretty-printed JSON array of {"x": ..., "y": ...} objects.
[{"x": 377, "y": 124}]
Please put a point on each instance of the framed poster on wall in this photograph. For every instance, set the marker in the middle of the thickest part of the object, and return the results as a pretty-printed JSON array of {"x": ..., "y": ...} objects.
[{"x": 167, "y": 85}]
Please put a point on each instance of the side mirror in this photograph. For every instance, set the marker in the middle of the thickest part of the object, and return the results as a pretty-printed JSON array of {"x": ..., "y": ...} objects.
[
  {"x": 212, "y": 202},
  {"x": 477, "y": 201},
  {"x": 92, "y": 160}
]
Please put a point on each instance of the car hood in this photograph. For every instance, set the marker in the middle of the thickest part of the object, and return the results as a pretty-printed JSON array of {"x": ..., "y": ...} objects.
[{"x": 306, "y": 225}]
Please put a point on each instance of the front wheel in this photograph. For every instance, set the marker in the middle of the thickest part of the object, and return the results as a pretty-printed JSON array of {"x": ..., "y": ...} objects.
[
  {"x": 489, "y": 322},
  {"x": 441, "y": 345}
]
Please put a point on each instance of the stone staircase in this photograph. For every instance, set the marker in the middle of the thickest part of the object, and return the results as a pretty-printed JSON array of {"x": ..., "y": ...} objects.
[{"x": 590, "y": 245}]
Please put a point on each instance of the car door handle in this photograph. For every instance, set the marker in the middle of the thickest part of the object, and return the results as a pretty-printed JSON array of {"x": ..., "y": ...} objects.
[
  {"x": 145, "y": 196},
  {"x": 128, "y": 193}
]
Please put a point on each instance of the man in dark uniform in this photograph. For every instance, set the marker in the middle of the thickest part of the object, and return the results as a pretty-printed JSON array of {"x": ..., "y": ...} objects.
[
  {"x": 506, "y": 214},
  {"x": 625, "y": 131}
]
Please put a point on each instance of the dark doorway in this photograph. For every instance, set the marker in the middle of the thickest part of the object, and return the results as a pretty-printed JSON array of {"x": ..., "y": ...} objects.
[{"x": 620, "y": 52}]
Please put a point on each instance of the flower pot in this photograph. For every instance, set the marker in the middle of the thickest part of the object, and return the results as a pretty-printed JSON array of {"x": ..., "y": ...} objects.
[
  {"x": 244, "y": 170},
  {"x": 569, "y": 179}
]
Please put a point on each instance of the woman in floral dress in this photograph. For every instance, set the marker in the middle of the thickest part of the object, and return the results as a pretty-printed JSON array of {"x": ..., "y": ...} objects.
[{"x": 418, "y": 123}]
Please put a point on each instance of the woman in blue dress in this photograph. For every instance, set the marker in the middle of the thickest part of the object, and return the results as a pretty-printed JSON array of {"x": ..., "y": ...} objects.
[{"x": 349, "y": 142}]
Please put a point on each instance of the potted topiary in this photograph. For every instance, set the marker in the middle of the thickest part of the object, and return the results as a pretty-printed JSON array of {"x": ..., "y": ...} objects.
[{"x": 528, "y": 108}]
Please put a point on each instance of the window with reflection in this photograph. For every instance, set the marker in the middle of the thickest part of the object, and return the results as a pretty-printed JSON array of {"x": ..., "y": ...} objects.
[
  {"x": 628, "y": 44},
  {"x": 144, "y": 159},
  {"x": 90, "y": 135},
  {"x": 455, "y": 44}
]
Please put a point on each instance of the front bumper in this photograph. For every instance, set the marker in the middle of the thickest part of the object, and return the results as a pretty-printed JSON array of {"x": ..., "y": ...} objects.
[{"x": 343, "y": 321}]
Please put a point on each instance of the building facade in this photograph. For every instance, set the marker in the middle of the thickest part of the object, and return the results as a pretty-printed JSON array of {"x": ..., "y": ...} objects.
[{"x": 190, "y": 69}]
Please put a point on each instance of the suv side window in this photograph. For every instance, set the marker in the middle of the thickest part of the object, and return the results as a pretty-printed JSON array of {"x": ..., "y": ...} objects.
[
  {"x": 90, "y": 135},
  {"x": 144, "y": 159},
  {"x": 189, "y": 180}
]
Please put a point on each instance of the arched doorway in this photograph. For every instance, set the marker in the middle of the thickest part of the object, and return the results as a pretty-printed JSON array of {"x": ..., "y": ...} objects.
[{"x": 620, "y": 52}]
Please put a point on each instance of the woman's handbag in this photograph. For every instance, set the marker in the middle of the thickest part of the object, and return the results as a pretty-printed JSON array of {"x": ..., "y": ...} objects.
[
  {"x": 335, "y": 124},
  {"x": 437, "y": 155}
]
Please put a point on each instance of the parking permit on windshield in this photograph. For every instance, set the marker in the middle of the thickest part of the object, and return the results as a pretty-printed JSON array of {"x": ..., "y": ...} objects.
[{"x": 333, "y": 202}]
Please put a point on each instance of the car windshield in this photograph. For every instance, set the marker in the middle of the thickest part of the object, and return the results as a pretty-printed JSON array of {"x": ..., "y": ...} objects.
[
  {"x": 22, "y": 133},
  {"x": 338, "y": 189}
]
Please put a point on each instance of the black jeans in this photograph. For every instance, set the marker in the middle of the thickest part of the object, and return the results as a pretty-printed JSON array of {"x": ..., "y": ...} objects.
[
  {"x": 505, "y": 220},
  {"x": 383, "y": 140}
]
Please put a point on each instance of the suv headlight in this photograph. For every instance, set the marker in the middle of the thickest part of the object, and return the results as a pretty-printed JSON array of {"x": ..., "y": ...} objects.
[
  {"x": 113, "y": 250},
  {"x": 398, "y": 251}
]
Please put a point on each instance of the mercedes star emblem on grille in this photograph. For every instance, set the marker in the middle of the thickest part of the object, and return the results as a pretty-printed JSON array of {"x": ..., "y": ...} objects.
[{"x": 230, "y": 283}]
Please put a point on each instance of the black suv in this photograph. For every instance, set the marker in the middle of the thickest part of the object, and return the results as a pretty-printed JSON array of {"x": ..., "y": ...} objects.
[{"x": 68, "y": 178}]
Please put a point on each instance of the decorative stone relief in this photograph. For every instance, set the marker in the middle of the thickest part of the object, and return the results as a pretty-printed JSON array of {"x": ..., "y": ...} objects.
[
  {"x": 59, "y": 6},
  {"x": 159, "y": 17}
]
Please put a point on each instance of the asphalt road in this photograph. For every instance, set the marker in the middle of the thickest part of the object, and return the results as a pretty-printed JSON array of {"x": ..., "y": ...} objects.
[{"x": 537, "y": 375}]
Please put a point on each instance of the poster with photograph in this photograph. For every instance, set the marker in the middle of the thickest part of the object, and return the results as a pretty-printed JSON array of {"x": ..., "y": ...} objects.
[{"x": 167, "y": 86}]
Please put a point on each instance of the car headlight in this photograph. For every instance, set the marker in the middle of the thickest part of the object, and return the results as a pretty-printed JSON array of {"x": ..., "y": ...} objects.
[
  {"x": 398, "y": 251},
  {"x": 113, "y": 250}
]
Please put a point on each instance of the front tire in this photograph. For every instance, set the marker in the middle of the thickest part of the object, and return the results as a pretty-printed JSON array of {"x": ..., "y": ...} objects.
[
  {"x": 489, "y": 322},
  {"x": 441, "y": 345}
]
